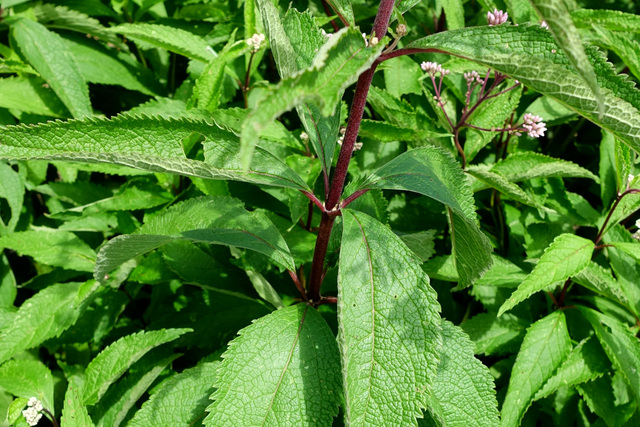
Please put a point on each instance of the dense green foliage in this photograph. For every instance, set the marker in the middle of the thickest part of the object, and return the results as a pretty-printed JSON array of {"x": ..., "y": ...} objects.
[{"x": 336, "y": 212}]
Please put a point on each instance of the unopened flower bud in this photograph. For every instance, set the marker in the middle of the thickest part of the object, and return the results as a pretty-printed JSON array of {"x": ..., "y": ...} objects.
[
  {"x": 534, "y": 125},
  {"x": 497, "y": 17},
  {"x": 401, "y": 30},
  {"x": 255, "y": 42},
  {"x": 374, "y": 41},
  {"x": 304, "y": 136}
]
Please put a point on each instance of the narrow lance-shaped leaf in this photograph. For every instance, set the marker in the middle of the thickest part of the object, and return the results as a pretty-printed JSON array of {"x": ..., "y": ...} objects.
[
  {"x": 74, "y": 413},
  {"x": 172, "y": 39},
  {"x": 565, "y": 256},
  {"x": 337, "y": 65},
  {"x": 27, "y": 94},
  {"x": 434, "y": 173},
  {"x": 544, "y": 348},
  {"x": 45, "y": 315},
  {"x": 614, "y": 20},
  {"x": 217, "y": 220},
  {"x": 389, "y": 325},
  {"x": 529, "y": 54},
  {"x": 500, "y": 183},
  {"x": 181, "y": 400},
  {"x": 47, "y": 53},
  {"x": 282, "y": 370},
  {"x": 620, "y": 344},
  {"x": 148, "y": 143},
  {"x": 523, "y": 166},
  {"x": 12, "y": 190},
  {"x": 114, "y": 360},
  {"x": 557, "y": 17},
  {"x": 463, "y": 390}
]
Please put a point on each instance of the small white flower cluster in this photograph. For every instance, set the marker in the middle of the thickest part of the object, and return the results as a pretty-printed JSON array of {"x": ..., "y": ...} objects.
[
  {"x": 255, "y": 42},
  {"x": 325, "y": 34},
  {"x": 544, "y": 25},
  {"x": 33, "y": 413},
  {"x": 401, "y": 30},
  {"x": 433, "y": 68},
  {"x": 472, "y": 76},
  {"x": 374, "y": 40},
  {"x": 636, "y": 235},
  {"x": 304, "y": 136},
  {"x": 497, "y": 17},
  {"x": 534, "y": 125}
]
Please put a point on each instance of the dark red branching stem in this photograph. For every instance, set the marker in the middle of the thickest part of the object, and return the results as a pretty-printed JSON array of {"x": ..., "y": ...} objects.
[
  {"x": 298, "y": 284},
  {"x": 314, "y": 199},
  {"x": 50, "y": 415},
  {"x": 613, "y": 208},
  {"x": 352, "y": 197},
  {"x": 327, "y": 10},
  {"x": 331, "y": 208}
]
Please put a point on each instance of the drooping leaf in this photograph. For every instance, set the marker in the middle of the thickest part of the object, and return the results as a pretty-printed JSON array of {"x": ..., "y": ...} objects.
[
  {"x": 389, "y": 326},
  {"x": 12, "y": 190},
  {"x": 172, "y": 39},
  {"x": 47, "y": 53},
  {"x": 620, "y": 344},
  {"x": 566, "y": 256},
  {"x": 614, "y": 20},
  {"x": 74, "y": 413},
  {"x": 631, "y": 249},
  {"x": 556, "y": 15},
  {"x": 216, "y": 219},
  {"x": 151, "y": 144},
  {"x": 337, "y": 65},
  {"x": 546, "y": 345},
  {"x": 114, "y": 360},
  {"x": 8, "y": 285},
  {"x": 28, "y": 94},
  {"x": 28, "y": 378},
  {"x": 625, "y": 267},
  {"x": 530, "y": 55},
  {"x": 463, "y": 389},
  {"x": 586, "y": 362},
  {"x": 527, "y": 165},
  {"x": 598, "y": 395},
  {"x": 601, "y": 281},
  {"x": 45, "y": 315},
  {"x": 495, "y": 180},
  {"x": 434, "y": 173},
  {"x": 71, "y": 252},
  {"x": 287, "y": 356},
  {"x": 495, "y": 335},
  {"x": 181, "y": 400}
]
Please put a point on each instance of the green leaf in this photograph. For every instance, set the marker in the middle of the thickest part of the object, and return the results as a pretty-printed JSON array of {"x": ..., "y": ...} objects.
[
  {"x": 545, "y": 347},
  {"x": 624, "y": 46},
  {"x": 208, "y": 87},
  {"x": 119, "y": 399},
  {"x": 172, "y": 39},
  {"x": 71, "y": 252},
  {"x": 631, "y": 249},
  {"x": 337, "y": 65},
  {"x": 601, "y": 281},
  {"x": 566, "y": 256},
  {"x": 495, "y": 180},
  {"x": 614, "y": 20},
  {"x": 29, "y": 95},
  {"x": 8, "y": 285},
  {"x": 463, "y": 389},
  {"x": 217, "y": 219},
  {"x": 74, "y": 413},
  {"x": 556, "y": 14},
  {"x": 526, "y": 165},
  {"x": 620, "y": 344},
  {"x": 181, "y": 400},
  {"x": 401, "y": 76},
  {"x": 598, "y": 395},
  {"x": 45, "y": 315},
  {"x": 28, "y": 378},
  {"x": 626, "y": 269},
  {"x": 151, "y": 144},
  {"x": 12, "y": 190},
  {"x": 433, "y": 172},
  {"x": 530, "y": 55},
  {"x": 389, "y": 325},
  {"x": 586, "y": 362},
  {"x": 47, "y": 53},
  {"x": 495, "y": 335},
  {"x": 343, "y": 9},
  {"x": 287, "y": 356},
  {"x": 114, "y": 360}
]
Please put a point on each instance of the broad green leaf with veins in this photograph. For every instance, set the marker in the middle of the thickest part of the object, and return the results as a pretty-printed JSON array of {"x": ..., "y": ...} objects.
[
  {"x": 47, "y": 53},
  {"x": 148, "y": 143},
  {"x": 114, "y": 360},
  {"x": 495, "y": 180},
  {"x": 620, "y": 344},
  {"x": 556, "y": 14},
  {"x": 167, "y": 405},
  {"x": 463, "y": 390},
  {"x": 284, "y": 370},
  {"x": 526, "y": 165},
  {"x": 434, "y": 173},
  {"x": 217, "y": 220},
  {"x": 529, "y": 54},
  {"x": 337, "y": 65},
  {"x": 29, "y": 95},
  {"x": 389, "y": 326},
  {"x": 566, "y": 256},
  {"x": 545, "y": 347},
  {"x": 172, "y": 39}
]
